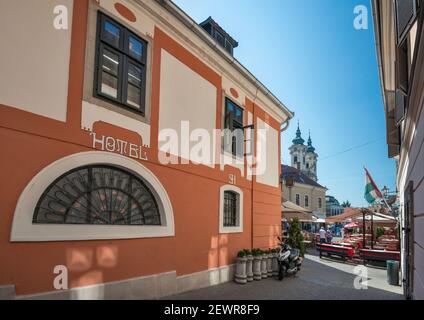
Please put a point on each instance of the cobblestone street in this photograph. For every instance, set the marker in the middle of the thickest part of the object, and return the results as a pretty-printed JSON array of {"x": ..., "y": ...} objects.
[{"x": 318, "y": 279}]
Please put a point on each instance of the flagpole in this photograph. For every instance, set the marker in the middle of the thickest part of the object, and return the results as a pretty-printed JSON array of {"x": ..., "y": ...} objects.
[{"x": 390, "y": 209}]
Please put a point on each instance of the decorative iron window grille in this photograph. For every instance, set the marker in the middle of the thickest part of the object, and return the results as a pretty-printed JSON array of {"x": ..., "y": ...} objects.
[
  {"x": 230, "y": 209},
  {"x": 98, "y": 194}
]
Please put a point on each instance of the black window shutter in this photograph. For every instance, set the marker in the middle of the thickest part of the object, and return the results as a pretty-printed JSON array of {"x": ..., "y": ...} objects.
[
  {"x": 406, "y": 13},
  {"x": 400, "y": 105},
  {"x": 403, "y": 68}
]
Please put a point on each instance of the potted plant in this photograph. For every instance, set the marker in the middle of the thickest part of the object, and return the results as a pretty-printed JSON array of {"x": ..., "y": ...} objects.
[
  {"x": 264, "y": 261},
  {"x": 240, "y": 276},
  {"x": 275, "y": 266},
  {"x": 269, "y": 262},
  {"x": 257, "y": 262},
  {"x": 249, "y": 265}
]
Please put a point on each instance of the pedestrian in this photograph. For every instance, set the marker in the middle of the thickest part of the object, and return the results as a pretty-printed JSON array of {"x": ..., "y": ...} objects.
[
  {"x": 329, "y": 236},
  {"x": 322, "y": 235}
]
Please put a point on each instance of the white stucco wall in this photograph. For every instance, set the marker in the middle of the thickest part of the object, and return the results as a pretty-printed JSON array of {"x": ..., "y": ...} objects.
[
  {"x": 185, "y": 96},
  {"x": 268, "y": 166},
  {"x": 35, "y": 62}
]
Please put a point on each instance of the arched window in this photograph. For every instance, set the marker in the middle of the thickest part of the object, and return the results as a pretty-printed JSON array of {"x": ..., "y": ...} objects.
[{"x": 97, "y": 194}]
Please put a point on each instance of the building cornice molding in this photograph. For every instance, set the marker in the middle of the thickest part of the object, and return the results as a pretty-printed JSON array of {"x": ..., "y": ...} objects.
[{"x": 260, "y": 93}]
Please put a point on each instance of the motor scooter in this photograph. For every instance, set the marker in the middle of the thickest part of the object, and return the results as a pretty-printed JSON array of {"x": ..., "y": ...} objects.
[{"x": 289, "y": 260}]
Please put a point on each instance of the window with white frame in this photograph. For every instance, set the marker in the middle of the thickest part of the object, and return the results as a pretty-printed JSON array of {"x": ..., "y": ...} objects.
[
  {"x": 120, "y": 199},
  {"x": 231, "y": 209}
]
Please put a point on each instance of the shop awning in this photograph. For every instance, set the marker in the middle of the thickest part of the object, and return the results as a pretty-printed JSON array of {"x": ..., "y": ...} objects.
[
  {"x": 348, "y": 213},
  {"x": 378, "y": 218},
  {"x": 356, "y": 214},
  {"x": 289, "y": 210}
]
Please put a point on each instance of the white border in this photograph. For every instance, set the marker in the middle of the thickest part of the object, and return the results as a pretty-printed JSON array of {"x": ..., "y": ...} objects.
[
  {"x": 24, "y": 230},
  {"x": 239, "y": 228}
]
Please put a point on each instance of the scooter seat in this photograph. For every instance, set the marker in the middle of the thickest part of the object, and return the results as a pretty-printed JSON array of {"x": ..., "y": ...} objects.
[{"x": 294, "y": 254}]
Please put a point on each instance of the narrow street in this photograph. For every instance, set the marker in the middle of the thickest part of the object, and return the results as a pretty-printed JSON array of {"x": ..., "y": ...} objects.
[{"x": 319, "y": 279}]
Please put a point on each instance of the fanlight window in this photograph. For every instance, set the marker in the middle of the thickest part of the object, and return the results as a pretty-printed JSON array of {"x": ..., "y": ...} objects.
[{"x": 98, "y": 195}]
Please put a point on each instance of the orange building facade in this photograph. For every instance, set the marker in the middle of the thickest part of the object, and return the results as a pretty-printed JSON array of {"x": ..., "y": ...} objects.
[{"x": 104, "y": 171}]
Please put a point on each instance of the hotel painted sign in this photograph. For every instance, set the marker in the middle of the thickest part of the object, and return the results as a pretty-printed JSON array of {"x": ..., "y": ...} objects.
[{"x": 123, "y": 147}]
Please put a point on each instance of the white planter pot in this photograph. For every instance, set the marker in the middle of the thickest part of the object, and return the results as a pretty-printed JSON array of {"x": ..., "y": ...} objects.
[
  {"x": 257, "y": 269},
  {"x": 240, "y": 276},
  {"x": 275, "y": 264},
  {"x": 264, "y": 266},
  {"x": 249, "y": 268},
  {"x": 269, "y": 265}
]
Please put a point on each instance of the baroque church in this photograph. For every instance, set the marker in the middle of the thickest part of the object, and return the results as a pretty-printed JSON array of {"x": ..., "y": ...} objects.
[
  {"x": 300, "y": 185},
  {"x": 304, "y": 157}
]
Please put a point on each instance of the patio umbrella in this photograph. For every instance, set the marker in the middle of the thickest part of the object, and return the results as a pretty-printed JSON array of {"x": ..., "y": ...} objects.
[{"x": 352, "y": 225}]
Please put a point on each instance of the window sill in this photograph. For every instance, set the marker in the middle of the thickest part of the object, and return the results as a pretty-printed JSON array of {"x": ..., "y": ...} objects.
[
  {"x": 117, "y": 104},
  {"x": 231, "y": 155},
  {"x": 226, "y": 230}
]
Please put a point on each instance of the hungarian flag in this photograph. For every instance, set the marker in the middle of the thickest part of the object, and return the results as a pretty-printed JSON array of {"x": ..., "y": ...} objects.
[{"x": 371, "y": 190}]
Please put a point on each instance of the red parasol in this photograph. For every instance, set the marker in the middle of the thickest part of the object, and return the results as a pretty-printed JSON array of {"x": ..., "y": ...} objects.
[{"x": 352, "y": 225}]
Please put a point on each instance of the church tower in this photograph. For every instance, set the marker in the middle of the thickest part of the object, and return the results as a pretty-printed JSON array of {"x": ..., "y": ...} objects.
[
  {"x": 304, "y": 157},
  {"x": 298, "y": 151},
  {"x": 311, "y": 160}
]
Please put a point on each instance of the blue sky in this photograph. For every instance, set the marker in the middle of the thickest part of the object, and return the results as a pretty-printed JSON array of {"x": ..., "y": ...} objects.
[{"x": 310, "y": 56}]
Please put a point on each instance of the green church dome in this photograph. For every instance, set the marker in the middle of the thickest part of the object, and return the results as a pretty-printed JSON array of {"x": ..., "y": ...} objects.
[
  {"x": 310, "y": 148},
  {"x": 298, "y": 139}
]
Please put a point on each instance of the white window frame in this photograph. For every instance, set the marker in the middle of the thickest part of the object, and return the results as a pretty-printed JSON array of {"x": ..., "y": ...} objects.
[
  {"x": 24, "y": 230},
  {"x": 240, "y": 215},
  {"x": 304, "y": 199},
  {"x": 295, "y": 199}
]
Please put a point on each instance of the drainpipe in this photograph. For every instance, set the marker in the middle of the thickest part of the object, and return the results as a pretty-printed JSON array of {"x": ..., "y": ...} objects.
[
  {"x": 253, "y": 175},
  {"x": 286, "y": 124},
  {"x": 283, "y": 127}
]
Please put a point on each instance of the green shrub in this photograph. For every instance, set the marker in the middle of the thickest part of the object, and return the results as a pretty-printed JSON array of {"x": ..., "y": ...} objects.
[
  {"x": 257, "y": 252},
  {"x": 241, "y": 254},
  {"x": 295, "y": 237},
  {"x": 379, "y": 232}
]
